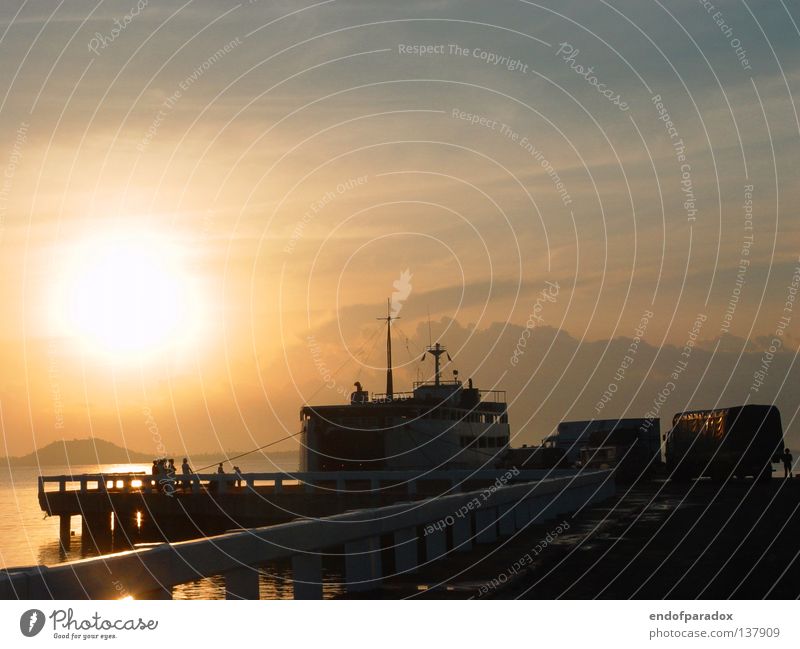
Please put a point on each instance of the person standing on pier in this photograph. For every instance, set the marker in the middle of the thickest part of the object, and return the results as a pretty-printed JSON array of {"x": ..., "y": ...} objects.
[
  {"x": 187, "y": 472},
  {"x": 220, "y": 470},
  {"x": 787, "y": 463},
  {"x": 238, "y": 473}
]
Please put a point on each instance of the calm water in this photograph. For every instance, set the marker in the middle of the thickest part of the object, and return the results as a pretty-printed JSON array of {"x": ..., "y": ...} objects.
[{"x": 28, "y": 538}]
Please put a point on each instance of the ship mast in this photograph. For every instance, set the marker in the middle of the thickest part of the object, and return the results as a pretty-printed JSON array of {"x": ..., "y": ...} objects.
[{"x": 389, "y": 317}]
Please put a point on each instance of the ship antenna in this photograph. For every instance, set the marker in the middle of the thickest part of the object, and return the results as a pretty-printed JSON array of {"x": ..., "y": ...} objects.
[
  {"x": 430, "y": 338},
  {"x": 389, "y": 317}
]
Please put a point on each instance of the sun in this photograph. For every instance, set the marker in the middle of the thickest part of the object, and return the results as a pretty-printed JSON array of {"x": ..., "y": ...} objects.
[{"x": 127, "y": 295}]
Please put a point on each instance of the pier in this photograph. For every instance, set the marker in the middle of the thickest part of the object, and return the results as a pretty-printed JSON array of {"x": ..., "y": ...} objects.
[
  {"x": 408, "y": 534},
  {"x": 135, "y": 507}
]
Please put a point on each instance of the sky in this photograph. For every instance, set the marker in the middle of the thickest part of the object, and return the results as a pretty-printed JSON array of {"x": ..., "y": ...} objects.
[{"x": 204, "y": 207}]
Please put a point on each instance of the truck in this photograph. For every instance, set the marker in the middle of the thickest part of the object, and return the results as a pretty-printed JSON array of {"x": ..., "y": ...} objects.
[{"x": 727, "y": 442}]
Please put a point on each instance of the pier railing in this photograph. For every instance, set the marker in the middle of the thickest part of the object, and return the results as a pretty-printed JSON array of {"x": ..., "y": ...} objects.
[
  {"x": 342, "y": 481},
  {"x": 478, "y": 516}
]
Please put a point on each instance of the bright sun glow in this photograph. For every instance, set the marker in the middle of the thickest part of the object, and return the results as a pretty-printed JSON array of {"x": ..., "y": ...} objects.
[{"x": 128, "y": 296}]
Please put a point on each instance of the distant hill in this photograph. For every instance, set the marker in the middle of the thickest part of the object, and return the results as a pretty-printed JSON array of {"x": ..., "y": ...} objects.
[{"x": 93, "y": 450}]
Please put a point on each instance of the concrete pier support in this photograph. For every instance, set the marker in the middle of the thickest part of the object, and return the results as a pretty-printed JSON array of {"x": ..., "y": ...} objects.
[
  {"x": 125, "y": 528},
  {"x": 506, "y": 520},
  {"x": 64, "y": 521},
  {"x": 405, "y": 550},
  {"x": 462, "y": 534},
  {"x": 486, "y": 525},
  {"x": 435, "y": 544},
  {"x": 363, "y": 564},
  {"x": 96, "y": 531},
  {"x": 522, "y": 514},
  {"x": 307, "y": 576},
  {"x": 241, "y": 583},
  {"x": 540, "y": 509}
]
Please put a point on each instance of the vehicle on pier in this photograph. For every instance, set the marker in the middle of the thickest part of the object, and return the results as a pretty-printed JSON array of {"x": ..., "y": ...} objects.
[
  {"x": 575, "y": 438},
  {"x": 726, "y": 442}
]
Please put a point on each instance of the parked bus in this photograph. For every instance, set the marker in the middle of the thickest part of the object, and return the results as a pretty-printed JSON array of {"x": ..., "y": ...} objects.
[
  {"x": 728, "y": 442},
  {"x": 631, "y": 447},
  {"x": 574, "y": 436}
]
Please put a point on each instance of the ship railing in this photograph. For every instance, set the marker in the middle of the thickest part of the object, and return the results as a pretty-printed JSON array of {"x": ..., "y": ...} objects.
[
  {"x": 382, "y": 397},
  {"x": 452, "y": 382},
  {"x": 493, "y": 396},
  {"x": 440, "y": 526}
]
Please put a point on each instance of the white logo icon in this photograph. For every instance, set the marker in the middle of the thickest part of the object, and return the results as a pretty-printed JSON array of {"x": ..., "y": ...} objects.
[
  {"x": 31, "y": 622},
  {"x": 402, "y": 289}
]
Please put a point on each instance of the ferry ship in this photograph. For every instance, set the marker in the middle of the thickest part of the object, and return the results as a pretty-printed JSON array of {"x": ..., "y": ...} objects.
[{"x": 440, "y": 424}]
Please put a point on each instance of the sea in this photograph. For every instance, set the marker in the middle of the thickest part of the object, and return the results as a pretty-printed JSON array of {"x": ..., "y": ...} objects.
[{"x": 28, "y": 538}]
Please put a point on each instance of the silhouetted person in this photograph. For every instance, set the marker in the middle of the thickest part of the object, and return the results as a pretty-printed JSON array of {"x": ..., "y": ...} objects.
[
  {"x": 220, "y": 470},
  {"x": 238, "y": 473},
  {"x": 166, "y": 475},
  {"x": 787, "y": 463},
  {"x": 186, "y": 471},
  {"x": 161, "y": 468}
]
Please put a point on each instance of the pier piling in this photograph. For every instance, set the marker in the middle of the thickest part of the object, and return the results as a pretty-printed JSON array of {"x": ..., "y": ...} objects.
[
  {"x": 506, "y": 521},
  {"x": 241, "y": 583},
  {"x": 486, "y": 525},
  {"x": 405, "y": 550},
  {"x": 435, "y": 544},
  {"x": 462, "y": 534},
  {"x": 64, "y": 522},
  {"x": 307, "y": 576},
  {"x": 363, "y": 564}
]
